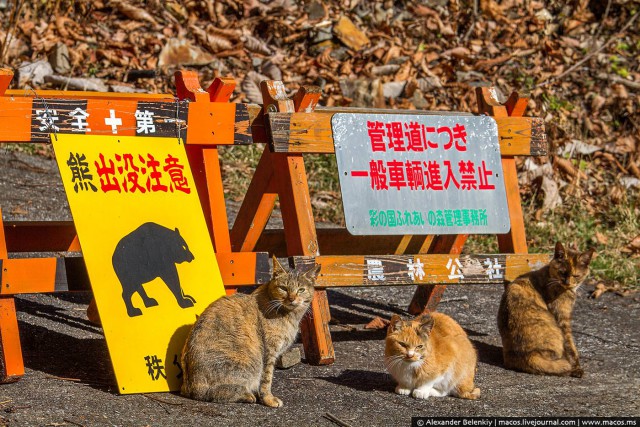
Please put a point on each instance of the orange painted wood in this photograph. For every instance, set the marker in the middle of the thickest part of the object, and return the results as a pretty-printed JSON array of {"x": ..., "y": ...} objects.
[
  {"x": 40, "y": 236},
  {"x": 77, "y": 94},
  {"x": 100, "y": 108},
  {"x": 403, "y": 245},
  {"x": 221, "y": 89},
  {"x": 274, "y": 97},
  {"x": 306, "y": 99},
  {"x": 6, "y": 75},
  {"x": 426, "y": 298},
  {"x": 217, "y": 207},
  {"x": 256, "y": 208},
  {"x": 28, "y": 275},
  {"x": 11, "y": 363},
  {"x": 347, "y": 271},
  {"x": 516, "y": 105},
  {"x": 312, "y": 133},
  {"x": 188, "y": 86},
  {"x": 300, "y": 233},
  {"x": 15, "y": 119},
  {"x": 244, "y": 268},
  {"x": 515, "y": 241},
  {"x": 211, "y": 123}
]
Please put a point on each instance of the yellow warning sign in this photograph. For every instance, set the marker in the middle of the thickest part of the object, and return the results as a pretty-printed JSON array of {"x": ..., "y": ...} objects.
[{"x": 146, "y": 246}]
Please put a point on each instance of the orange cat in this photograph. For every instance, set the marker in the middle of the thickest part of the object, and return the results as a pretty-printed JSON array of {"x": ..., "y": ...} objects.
[{"x": 431, "y": 356}]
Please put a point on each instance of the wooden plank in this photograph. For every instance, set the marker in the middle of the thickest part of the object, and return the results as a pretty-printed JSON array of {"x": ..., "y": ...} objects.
[
  {"x": 211, "y": 123},
  {"x": 28, "y": 275},
  {"x": 40, "y": 236},
  {"x": 426, "y": 298},
  {"x": 244, "y": 268},
  {"x": 58, "y": 236},
  {"x": 300, "y": 232},
  {"x": 402, "y": 270},
  {"x": 256, "y": 208},
  {"x": 11, "y": 363},
  {"x": 311, "y": 133},
  {"x": 79, "y": 94},
  {"x": 6, "y": 75}
]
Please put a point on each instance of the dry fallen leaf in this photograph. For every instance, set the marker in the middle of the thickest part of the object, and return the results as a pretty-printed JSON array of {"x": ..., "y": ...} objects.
[{"x": 377, "y": 323}]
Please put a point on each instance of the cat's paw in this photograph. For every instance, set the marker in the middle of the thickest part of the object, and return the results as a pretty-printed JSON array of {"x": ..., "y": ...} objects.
[
  {"x": 421, "y": 394},
  {"x": 271, "y": 401},
  {"x": 577, "y": 372},
  {"x": 403, "y": 391}
]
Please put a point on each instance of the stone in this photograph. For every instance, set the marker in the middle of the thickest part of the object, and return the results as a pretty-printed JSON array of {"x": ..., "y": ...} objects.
[
  {"x": 59, "y": 59},
  {"x": 289, "y": 358}
]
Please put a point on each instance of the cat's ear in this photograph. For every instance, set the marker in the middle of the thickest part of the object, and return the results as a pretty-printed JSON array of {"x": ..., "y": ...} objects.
[
  {"x": 395, "y": 324},
  {"x": 278, "y": 270},
  {"x": 312, "y": 273},
  {"x": 559, "y": 253},
  {"x": 425, "y": 324},
  {"x": 585, "y": 257}
]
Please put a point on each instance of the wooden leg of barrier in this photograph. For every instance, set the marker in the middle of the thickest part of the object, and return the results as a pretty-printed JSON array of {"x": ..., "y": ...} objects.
[
  {"x": 217, "y": 207},
  {"x": 300, "y": 234},
  {"x": 11, "y": 364},
  {"x": 256, "y": 207},
  {"x": 515, "y": 241},
  {"x": 426, "y": 297}
]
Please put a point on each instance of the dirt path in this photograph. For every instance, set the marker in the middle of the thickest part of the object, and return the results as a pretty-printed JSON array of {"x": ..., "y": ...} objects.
[{"x": 69, "y": 379}]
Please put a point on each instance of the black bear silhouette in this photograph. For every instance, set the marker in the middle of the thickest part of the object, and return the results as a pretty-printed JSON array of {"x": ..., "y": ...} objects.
[{"x": 148, "y": 252}]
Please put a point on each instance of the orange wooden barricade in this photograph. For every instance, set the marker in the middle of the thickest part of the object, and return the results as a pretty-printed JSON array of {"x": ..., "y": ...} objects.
[
  {"x": 291, "y": 127},
  {"x": 205, "y": 119},
  {"x": 294, "y": 128}
]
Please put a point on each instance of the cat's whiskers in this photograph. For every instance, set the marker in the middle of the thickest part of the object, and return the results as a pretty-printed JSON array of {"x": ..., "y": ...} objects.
[{"x": 273, "y": 305}]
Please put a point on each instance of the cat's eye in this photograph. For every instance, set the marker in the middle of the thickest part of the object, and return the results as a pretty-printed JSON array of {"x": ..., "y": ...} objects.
[
  {"x": 419, "y": 347},
  {"x": 301, "y": 291},
  {"x": 403, "y": 344}
]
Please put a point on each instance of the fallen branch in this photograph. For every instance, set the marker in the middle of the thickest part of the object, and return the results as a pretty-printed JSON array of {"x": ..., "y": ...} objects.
[
  {"x": 336, "y": 420},
  {"x": 66, "y": 420}
]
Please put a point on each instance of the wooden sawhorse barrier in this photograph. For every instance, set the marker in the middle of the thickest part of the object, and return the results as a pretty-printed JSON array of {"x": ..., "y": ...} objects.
[
  {"x": 205, "y": 119},
  {"x": 294, "y": 129},
  {"x": 208, "y": 120}
]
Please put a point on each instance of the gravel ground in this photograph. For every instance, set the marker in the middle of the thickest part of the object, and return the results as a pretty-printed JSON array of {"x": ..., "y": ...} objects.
[{"x": 69, "y": 381}]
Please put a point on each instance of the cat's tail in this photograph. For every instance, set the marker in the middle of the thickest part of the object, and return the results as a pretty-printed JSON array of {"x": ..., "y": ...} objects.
[{"x": 537, "y": 363}]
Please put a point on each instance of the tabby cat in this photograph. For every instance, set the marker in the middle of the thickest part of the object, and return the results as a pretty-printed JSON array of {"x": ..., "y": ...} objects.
[
  {"x": 230, "y": 353},
  {"x": 534, "y": 318},
  {"x": 431, "y": 356}
]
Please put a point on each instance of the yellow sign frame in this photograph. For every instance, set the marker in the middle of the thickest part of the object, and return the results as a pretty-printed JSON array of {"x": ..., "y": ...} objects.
[{"x": 141, "y": 227}]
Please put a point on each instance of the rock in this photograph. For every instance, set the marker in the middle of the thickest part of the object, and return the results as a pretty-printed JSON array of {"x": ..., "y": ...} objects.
[
  {"x": 349, "y": 34},
  {"x": 33, "y": 73},
  {"x": 315, "y": 10},
  {"x": 125, "y": 89},
  {"x": 77, "y": 83},
  {"x": 289, "y": 359},
  {"x": 182, "y": 52},
  {"x": 393, "y": 89},
  {"x": 59, "y": 59},
  {"x": 321, "y": 34}
]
